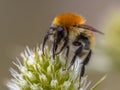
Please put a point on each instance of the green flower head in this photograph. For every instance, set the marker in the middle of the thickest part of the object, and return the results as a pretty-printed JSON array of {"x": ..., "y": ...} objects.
[{"x": 41, "y": 72}]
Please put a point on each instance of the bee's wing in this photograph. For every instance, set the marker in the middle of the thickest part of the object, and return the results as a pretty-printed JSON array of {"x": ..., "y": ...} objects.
[{"x": 84, "y": 26}]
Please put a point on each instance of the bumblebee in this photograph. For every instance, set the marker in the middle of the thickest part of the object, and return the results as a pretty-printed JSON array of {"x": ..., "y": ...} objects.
[{"x": 69, "y": 29}]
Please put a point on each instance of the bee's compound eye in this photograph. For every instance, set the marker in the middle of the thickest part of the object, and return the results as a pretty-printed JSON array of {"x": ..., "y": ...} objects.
[
  {"x": 53, "y": 28},
  {"x": 59, "y": 28},
  {"x": 56, "y": 28}
]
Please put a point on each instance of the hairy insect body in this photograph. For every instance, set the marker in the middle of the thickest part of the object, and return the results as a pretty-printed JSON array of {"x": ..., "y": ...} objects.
[{"x": 69, "y": 30}]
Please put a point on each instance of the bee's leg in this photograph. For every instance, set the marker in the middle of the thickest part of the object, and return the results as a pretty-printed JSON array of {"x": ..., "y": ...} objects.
[
  {"x": 54, "y": 48},
  {"x": 85, "y": 62},
  {"x": 64, "y": 45},
  {"x": 65, "y": 42},
  {"x": 67, "y": 52},
  {"x": 78, "y": 51}
]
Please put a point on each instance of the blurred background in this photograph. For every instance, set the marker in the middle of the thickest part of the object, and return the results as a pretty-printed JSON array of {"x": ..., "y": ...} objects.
[{"x": 24, "y": 23}]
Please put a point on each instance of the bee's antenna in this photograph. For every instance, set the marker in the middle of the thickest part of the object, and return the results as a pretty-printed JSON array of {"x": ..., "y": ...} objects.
[{"x": 44, "y": 42}]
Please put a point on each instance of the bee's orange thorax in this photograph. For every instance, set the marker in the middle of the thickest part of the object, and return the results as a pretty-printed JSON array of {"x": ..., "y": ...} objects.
[{"x": 68, "y": 19}]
